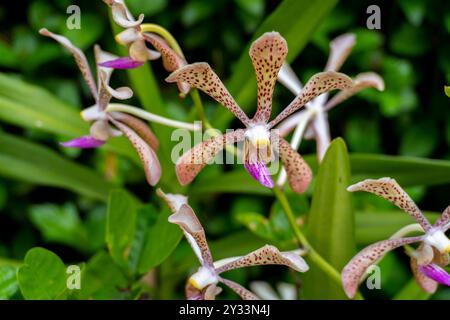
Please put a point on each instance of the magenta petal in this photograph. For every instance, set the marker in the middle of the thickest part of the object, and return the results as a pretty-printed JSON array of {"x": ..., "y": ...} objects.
[
  {"x": 85, "y": 142},
  {"x": 260, "y": 173},
  {"x": 122, "y": 63},
  {"x": 436, "y": 273}
]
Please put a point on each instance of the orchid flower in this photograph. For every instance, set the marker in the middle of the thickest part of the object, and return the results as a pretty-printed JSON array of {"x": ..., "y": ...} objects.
[
  {"x": 135, "y": 38},
  {"x": 203, "y": 284},
  {"x": 426, "y": 261},
  {"x": 284, "y": 291},
  {"x": 139, "y": 134},
  {"x": 312, "y": 122},
  {"x": 260, "y": 142}
]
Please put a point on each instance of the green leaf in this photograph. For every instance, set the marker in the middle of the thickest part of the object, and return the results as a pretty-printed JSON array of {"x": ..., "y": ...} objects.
[
  {"x": 331, "y": 222},
  {"x": 60, "y": 224},
  {"x": 120, "y": 225},
  {"x": 42, "y": 276},
  {"x": 160, "y": 239},
  {"x": 8, "y": 282},
  {"x": 295, "y": 20},
  {"x": 447, "y": 90},
  {"x": 412, "y": 291},
  {"x": 24, "y": 160}
]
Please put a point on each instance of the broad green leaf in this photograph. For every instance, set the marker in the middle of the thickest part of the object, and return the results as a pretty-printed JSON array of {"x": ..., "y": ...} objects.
[
  {"x": 296, "y": 21},
  {"x": 160, "y": 238},
  {"x": 447, "y": 90},
  {"x": 375, "y": 226},
  {"x": 42, "y": 276},
  {"x": 102, "y": 279},
  {"x": 330, "y": 222},
  {"x": 60, "y": 224},
  {"x": 24, "y": 160},
  {"x": 120, "y": 225},
  {"x": 412, "y": 291},
  {"x": 8, "y": 282}
]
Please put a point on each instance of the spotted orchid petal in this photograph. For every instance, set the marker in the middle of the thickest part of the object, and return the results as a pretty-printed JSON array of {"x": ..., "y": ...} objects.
[
  {"x": 435, "y": 272},
  {"x": 80, "y": 59},
  {"x": 122, "y": 63},
  {"x": 354, "y": 271},
  {"x": 122, "y": 16},
  {"x": 148, "y": 157},
  {"x": 268, "y": 53},
  {"x": 444, "y": 220},
  {"x": 194, "y": 160},
  {"x": 240, "y": 290},
  {"x": 260, "y": 173},
  {"x": 318, "y": 84},
  {"x": 426, "y": 283},
  {"x": 288, "y": 78},
  {"x": 186, "y": 219},
  {"x": 340, "y": 49},
  {"x": 84, "y": 142},
  {"x": 171, "y": 60},
  {"x": 201, "y": 76},
  {"x": 361, "y": 82},
  {"x": 298, "y": 172},
  {"x": 140, "y": 127},
  {"x": 267, "y": 255},
  {"x": 390, "y": 190}
]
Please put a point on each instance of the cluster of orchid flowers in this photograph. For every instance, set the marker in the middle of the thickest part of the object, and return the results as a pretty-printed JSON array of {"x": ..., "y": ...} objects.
[{"x": 261, "y": 144}]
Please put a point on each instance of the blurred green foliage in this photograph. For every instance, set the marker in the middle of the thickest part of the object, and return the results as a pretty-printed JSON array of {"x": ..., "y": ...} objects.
[{"x": 57, "y": 198}]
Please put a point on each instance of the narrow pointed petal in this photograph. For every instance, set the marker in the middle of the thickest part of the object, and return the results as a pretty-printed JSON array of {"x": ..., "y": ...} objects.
[
  {"x": 288, "y": 78},
  {"x": 122, "y": 63},
  {"x": 340, "y": 49},
  {"x": 194, "y": 160},
  {"x": 122, "y": 16},
  {"x": 260, "y": 173},
  {"x": 361, "y": 82},
  {"x": 353, "y": 273},
  {"x": 435, "y": 272},
  {"x": 390, "y": 190},
  {"x": 85, "y": 142},
  {"x": 298, "y": 172},
  {"x": 426, "y": 283},
  {"x": 289, "y": 124},
  {"x": 264, "y": 290},
  {"x": 174, "y": 201},
  {"x": 186, "y": 219},
  {"x": 321, "y": 129},
  {"x": 318, "y": 84},
  {"x": 268, "y": 53},
  {"x": 80, "y": 59},
  {"x": 267, "y": 255},
  {"x": 240, "y": 290},
  {"x": 201, "y": 76},
  {"x": 140, "y": 127},
  {"x": 121, "y": 93},
  {"x": 148, "y": 157},
  {"x": 444, "y": 220}
]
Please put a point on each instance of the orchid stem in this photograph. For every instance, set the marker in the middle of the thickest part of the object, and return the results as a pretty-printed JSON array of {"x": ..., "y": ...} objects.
[
  {"x": 199, "y": 108},
  {"x": 118, "y": 107},
  {"x": 154, "y": 28},
  {"x": 312, "y": 253}
]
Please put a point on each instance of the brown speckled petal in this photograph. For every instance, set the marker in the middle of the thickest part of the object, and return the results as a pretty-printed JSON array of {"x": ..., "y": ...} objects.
[
  {"x": 79, "y": 56},
  {"x": 267, "y": 255},
  {"x": 194, "y": 160},
  {"x": 298, "y": 171},
  {"x": 353, "y": 273},
  {"x": 148, "y": 157},
  {"x": 318, "y": 84},
  {"x": 186, "y": 219},
  {"x": 268, "y": 53},
  {"x": 390, "y": 190},
  {"x": 361, "y": 82},
  {"x": 240, "y": 290},
  {"x": 201, "y": 76},
  {"x": 340, "y": 49}
]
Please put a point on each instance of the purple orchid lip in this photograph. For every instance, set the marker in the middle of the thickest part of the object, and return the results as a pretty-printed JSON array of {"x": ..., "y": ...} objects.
[
  {"x": 436, "y": 273},
  {"x": 122, "y": 63},
  {"x": 260, "y": 173},
  {"x": 85, "y": 142}
]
